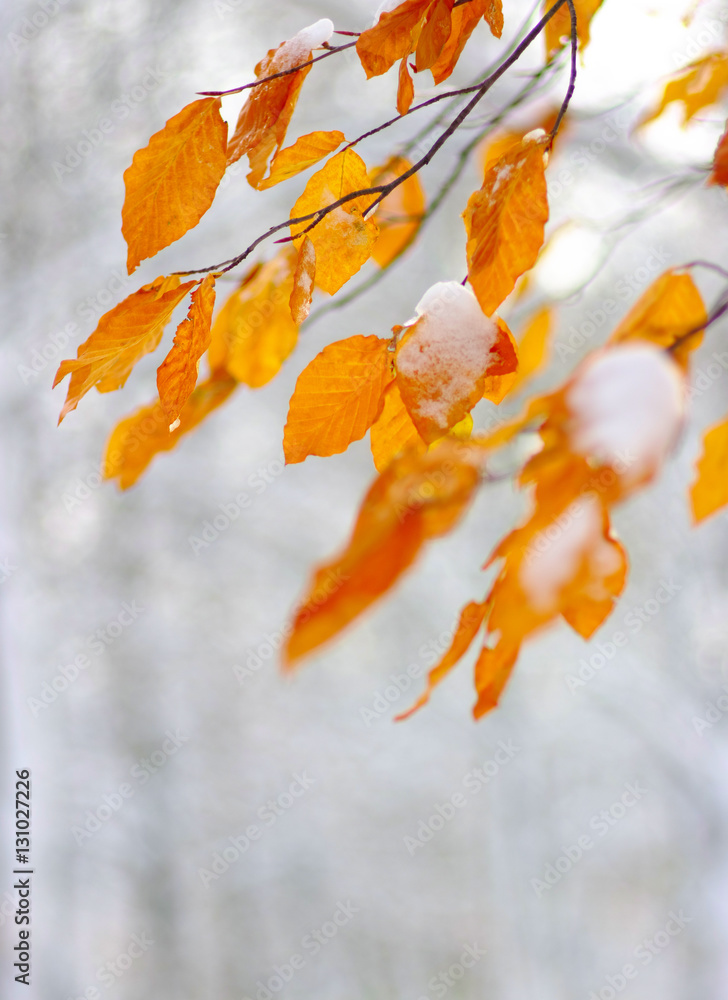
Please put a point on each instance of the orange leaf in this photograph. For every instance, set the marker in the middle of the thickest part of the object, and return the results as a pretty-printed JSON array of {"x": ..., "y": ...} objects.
[
  {"x": 124, "y": 335},
  {"x": 392, "y": 38},
  {"x": 709, "y": 491},
  {"x": 343, "y": 239},
  {"x": 418, "y": 497},
  {"x": 434, "y": 34},
  {"x": 505, "y": 222},
  {"x": 557, "y": 32},
  {"x": 177, "y": 375},
  {"x": 305, "y": 151},
  {"x": 697, "y": 86},
  {"x": 138, "y": 438},
  {"x": 533, "y": 346},
  {"x": 670, "y": 311},
  {"x": 303, "y": 280},
  {"x": 337, "y": 398},
  {"x": 504, "y": 365},
  {"x": 171, "y": 183},
  {"x": 393, "y": 432},
  {"x": 719, "y": 174},
  {"x": 254, "y": 332},
  {"x": 464, "y": 19},
  {"x": 265, "y": 116},
  {"x": 399, "y": 215},
  {"x": 444, "y": 358},
  {"x": 405, "y": 89}
]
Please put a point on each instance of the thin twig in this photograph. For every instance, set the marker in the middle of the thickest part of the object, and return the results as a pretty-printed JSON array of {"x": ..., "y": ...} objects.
[
  {"x": 284, "y": 72},
  {"x": 572, "y": 73}
]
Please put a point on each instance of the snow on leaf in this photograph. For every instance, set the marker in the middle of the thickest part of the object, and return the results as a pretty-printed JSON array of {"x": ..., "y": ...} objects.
[
  {"x": 505, "y": 222},
  {"x": 264, "y": 118},
  {"x": 177, "y": 375},
  {"x": 125, "y": 334},
  {"x": 303, "y": 280},
  {"x": 171, "y": 183},
  {"x": 254, "y": 332},
  {"x": 709, "y": 491},
  {"x": 697, "y": 86},
  {"x": 343, "y": 239},
  {"x": 304, "y": 153},
  {"x": 337, "y": 398}
]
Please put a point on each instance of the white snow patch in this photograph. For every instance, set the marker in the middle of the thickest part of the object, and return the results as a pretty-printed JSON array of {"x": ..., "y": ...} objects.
[
  {"x": 449, "y": 350},
  {"x": 627, "y": 407},
  {"x": 298, "y": 49}
]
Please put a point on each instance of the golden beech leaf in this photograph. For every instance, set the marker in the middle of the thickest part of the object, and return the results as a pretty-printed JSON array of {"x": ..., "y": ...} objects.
[
  {"x": 303, "y": 280},
  {"x": 505, "y": 222},
  {"x": 393, "y": 432},
  {"x": 405, "y": 88},
  {"x": 697, "y": 86},
  {"x": 337, "y": 398},
  {"x": 469, "y": 624},
  {"x": 343, "y": 239},
  {"x": 434, "y": 34},
  {"x": 418, "y": 497},
  {"x": 504, "y": 365},
  {"x": 124, "y": 335},
  {"x": 670, "y": 314},
  {"x": 464, "y": 19},
  {"x": 254, "y": 332},
  {"x": 264, "y": 118},
  {"x": 304, "y": 153},
  {"x": 171, "y": 183},
  {"x": 392, "y": 38},
  {"x": 138, "y": 438},
  {"x": 719, "y": 173},
  {"x": 709, "y": 491},
  {"x": 444, "y": 358},
  {"x": 399, "y": 215},
  {"x": 533, "y": 347},
  {"x": 557, "y": 32},
  {"x": 177, "y": 375}
]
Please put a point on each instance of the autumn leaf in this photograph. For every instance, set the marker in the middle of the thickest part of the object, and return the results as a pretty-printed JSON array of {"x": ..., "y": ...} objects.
[
  {"x": 399, "y": 215},
  {"x": 464, "y": 19},
  {"x": 533, "y": 346},
  {"x": 503, "y": 366},
  {"x": 434, "y": 33},
  {"x": 392, "y": 38},
  {"x": 304, "y": 153},
  {"x": 264, "y": 118},
  {"x": 254, "y": 332},
  {"x": 557, "y": 32},
  {"x": 124, "y": 335},
  {"x": 393, "y": 432},
  {"x": 138, "y": 438},
  {"x": 697, "y": 86},
  {"x": 177, "y": 375},
  {"x": 171, "y": 183},
  {"x": 337, "y": 398},
  {"x": 670, "y": 314},
  {"x": 719, "y": 173},
  {"x": 343, "y": 239},
  {"x": 303, "y": 280},
  {"x": 418, "y": 497},
  {"x": 709, "y": 491},
  {"x": 444, "y": 357},
  {"x": 505, "y": 222},
  {"x": 405, "y": 88}
]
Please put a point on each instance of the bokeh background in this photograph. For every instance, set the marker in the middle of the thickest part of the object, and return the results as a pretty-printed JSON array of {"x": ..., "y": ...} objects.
[{"x": 183, "y": 702}]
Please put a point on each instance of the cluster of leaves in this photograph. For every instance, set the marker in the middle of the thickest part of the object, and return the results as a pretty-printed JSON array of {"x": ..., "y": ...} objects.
[{"x": 601, "y": 436}]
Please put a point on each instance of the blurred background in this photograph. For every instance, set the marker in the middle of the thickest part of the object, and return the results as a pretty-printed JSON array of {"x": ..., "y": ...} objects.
[{"x": 204, "y": 828}]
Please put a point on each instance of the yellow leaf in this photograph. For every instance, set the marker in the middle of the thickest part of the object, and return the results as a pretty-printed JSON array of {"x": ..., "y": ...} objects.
[
  {"x": 254, "y": 332},
  {"x": 303, "y": 280},
  {"x": 709, "y": 491},
  {"x": 393, "y": 432},
  {"x": 124, "y": 335},
  {"x": 399, "y": 215},
  {"x": 343, "y": 239},
  {"x": 177, "y": 375},
  {"x": 171, "y": 183},
  {"x": 533, "y": 346},
  {"x": 505, "y": 222},
  {"x": 697, "y": 86},
  {"x": 337, "y": 398},
  {"x": 138, "y": 438},
  {"x": 557, "y": 32},
  {"x": 305, "y": 151}
]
